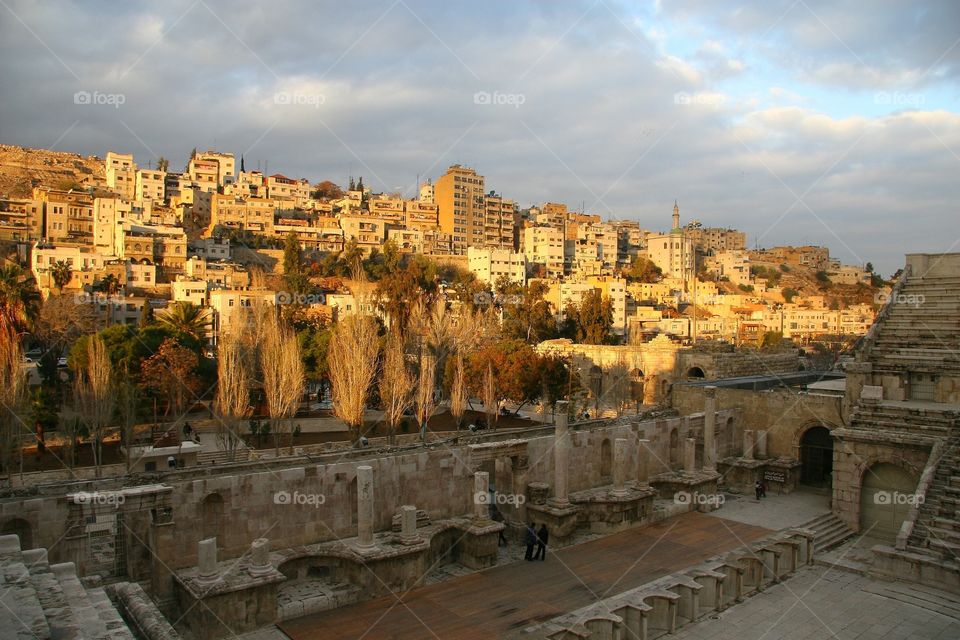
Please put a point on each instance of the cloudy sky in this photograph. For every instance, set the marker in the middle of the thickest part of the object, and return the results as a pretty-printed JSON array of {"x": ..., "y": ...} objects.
[{"x": 802, "y": 122}]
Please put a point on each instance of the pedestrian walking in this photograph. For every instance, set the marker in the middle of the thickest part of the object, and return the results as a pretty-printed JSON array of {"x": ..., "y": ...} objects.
[
  {"x": 543, "y": 536},
  {"x": 530, "y": 539}
]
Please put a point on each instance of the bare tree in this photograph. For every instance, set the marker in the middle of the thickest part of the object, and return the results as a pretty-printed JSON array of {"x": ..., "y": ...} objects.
[
  {"x": 12, "y": 385},
  {"x": 353, "y": 365},
  {"x": 94, "y": 396},
  {"x": 396, "y": 383},
  {"x": 490, "y": 396},
  {"x": 283, "y": 375},
  {"x": 426, "y": 390},
  {"x": 458, "y": 391},
  {"x": 232, "y": 401}
]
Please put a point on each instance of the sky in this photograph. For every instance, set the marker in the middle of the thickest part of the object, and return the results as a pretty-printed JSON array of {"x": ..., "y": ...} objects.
[{"x": 831, "y": 123}]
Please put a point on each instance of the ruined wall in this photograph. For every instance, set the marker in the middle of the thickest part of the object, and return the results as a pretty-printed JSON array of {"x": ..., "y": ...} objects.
[
  {"x": 278, "y": 499},
  {"x": 784, "y": 413}
]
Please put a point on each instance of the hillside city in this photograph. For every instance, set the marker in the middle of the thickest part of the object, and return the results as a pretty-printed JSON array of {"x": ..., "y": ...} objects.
[{"x": 216, "y": 236}]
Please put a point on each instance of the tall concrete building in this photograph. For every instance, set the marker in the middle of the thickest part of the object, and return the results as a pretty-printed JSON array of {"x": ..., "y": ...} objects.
[
  {"x": 461, "y": 198},
  {"x": 121, "y": 173}
]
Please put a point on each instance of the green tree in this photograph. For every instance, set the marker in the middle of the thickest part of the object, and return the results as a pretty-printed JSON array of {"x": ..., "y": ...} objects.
[
  {"x": 643, "y": 270},
  {"x": 527, "y": 315},
  {"x": 19, "y": 297},
  {"x": 61, "y": 274},
  {"x": 594, "y": 319},
  {"x": 294, "y": 272},
  {"x": 186, "y": 318},
  {"x": 789, "y": 294},
  {"x": 162, "y": 164},
  {"x": 109, "y": 284}
]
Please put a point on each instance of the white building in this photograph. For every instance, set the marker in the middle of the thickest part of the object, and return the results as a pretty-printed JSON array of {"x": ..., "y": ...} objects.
[
  {"x": 490, "y": 265},
  {"x": 544, "y": 245},
  {"x": 673, "y": 252}
]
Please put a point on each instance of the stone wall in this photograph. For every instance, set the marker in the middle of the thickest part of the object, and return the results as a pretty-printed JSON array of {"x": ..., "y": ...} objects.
[
  {"x": 297, "y": 501},
  {"x": 785, "y": 414}
]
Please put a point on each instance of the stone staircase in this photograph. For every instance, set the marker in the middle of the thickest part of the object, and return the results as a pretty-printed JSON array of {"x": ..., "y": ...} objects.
[
  {"x": 41, "y": 601},
  {"x": 937, "y": 529},
  {"x": 829, "y": 532},
  {"x": 920, "y": 327},
  {"x": 924, "y": 419}
]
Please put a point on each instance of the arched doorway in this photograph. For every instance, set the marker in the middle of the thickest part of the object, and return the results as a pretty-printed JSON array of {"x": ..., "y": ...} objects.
[
  {"x": 695, "y": 372},
  {"x": 816, "y": 457},
  {"x": 636, "y": 386},
  {"x": 21, "y": 528},
  {"x": 886, "y": 493},
  {"x": 606, "y": 462}
]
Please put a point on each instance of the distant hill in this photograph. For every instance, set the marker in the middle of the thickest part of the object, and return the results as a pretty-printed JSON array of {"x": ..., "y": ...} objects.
[{"x": 22, "y": 169}]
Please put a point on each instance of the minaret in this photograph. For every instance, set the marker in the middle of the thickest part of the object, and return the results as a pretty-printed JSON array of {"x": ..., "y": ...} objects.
[{"x": 676, "y": 215}]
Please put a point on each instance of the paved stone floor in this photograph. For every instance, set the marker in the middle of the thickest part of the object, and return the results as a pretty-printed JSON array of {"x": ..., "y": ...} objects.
[
  {"x": 775, "y": 512},
  {"x": 487, "y": 604},
  {"x": 818, "y": 602}
]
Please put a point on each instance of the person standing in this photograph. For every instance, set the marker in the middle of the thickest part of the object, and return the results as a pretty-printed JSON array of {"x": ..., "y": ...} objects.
[
  {"x": 530, "y": 538},
  {"x": 758, "y": 489},
  {"x": 543, "y": 536}
]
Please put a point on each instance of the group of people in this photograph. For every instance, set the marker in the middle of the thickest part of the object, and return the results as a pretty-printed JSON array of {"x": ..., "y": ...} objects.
[
  {"x": 538, "y": 538},
  {"x": 760, "y": 489}
]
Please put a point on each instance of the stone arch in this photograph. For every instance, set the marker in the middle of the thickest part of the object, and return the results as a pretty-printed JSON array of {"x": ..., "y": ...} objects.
[
  {"x": 606, "y": 461},
  {"x": 886, "y": 492},
  {"x": 863, "y": 467},
  {"x": 21, "y": 528},
  {"x": 815, "y": 451},
  {"x": 695, "y": 372},
  {"x": 211, "y": 517},
  {"x": 636, "y": 385}
]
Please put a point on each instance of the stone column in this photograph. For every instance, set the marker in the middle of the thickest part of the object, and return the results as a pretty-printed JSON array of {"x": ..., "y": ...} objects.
[
  {"x": 561, "y": 453},
  {"x": 207, "y": 560},
  {"x": 365, "y": 506},
  {"x": 643, "y": 463},
  {"x": 408, "y": 524},
  {"x": 260, "y": 557},
  {"x": 709, "y": 428},
  {"x": 761, "y": 444},
  {"x": 481, "y": 495},
  {"x": 620, "y": 453},
  {"x": 748, "y": 444},
  {"x": 689, "y": 456}
]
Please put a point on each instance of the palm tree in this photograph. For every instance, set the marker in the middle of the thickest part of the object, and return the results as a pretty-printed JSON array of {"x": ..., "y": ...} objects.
[
  {"x": 61, "y": 274},
  {"x": 186, "y": 318},
  {"x": 109, "y": 284},
  {"x": 19, "y": 297}
]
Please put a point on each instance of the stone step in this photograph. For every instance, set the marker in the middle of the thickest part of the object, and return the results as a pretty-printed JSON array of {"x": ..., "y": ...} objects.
[
  {"x": 918, "y": 595},
  {"x": 82, "y": 608},
  {"x": 116, "y": 627},
  {"x": 56, "y": 609},
  {"x": 947, "y": 535},
  {"x": 21, "y": 614},
  {"x": 947, "y": 550}
]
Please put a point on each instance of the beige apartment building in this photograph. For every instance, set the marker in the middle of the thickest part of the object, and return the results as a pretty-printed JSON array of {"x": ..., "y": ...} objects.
[
  {"x": 715, "y": 239},
  {"x": 150, "y": 185},
  {"x": 498, "y": 224},
  {"x": 121, "y": 173},
  {"x": 545, "y": 246},
  {"x": 461, "y": 201},
  {"x": 21, "y": 219},
  {"x": 733, "y": 265},
  {"x": 370, "y": 233},
  {"x": 490, "y": 265},
  {"x": 211, "y": 169},
  {"x": 249, "y": 214},
  {"x": 282, "y": 189},
  {"x": 67, "y": 214},
  {"x": 419, "y": 214}
]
